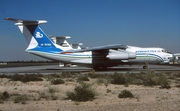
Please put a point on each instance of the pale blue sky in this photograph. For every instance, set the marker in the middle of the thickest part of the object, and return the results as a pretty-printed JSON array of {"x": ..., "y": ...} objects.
[{"x": 144, "y": 23}]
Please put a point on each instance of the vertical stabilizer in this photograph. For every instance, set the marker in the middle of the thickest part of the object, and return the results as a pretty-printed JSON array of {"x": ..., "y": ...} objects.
[
  {"x": 38, "y": 40},
  {"x": 61, "y": 41}
]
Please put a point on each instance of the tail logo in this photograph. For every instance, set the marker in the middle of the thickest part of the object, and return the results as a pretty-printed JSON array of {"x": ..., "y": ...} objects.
[{"x": 39, "y": 35}]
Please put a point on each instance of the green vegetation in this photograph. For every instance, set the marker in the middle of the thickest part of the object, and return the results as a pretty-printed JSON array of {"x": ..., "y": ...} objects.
[
  {"x": 149, "y": 78},
  {"x": 43, "y": 95},
  {"x": 118, "y": 79},
  {"x": 16, "y": 97},
  {"x": 4, "y": 76},
  {"x": 4, "y": 96},
  {"x": 69, "y": 74},
  {"x": 21, "y": 99},
  {"x": 54, "y": 97},
  {"x": 83, "y": 93},
  {"x": 125, "y": 94},
  {"x": 57, "y": 81},
  {"x": 50, "y": 94},
  {"x": 82, "y": 78},
  {"x": 26, "y": 77}
]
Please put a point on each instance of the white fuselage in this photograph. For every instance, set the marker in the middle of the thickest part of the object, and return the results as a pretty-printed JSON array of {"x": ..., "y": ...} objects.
[{"x": 143, "y": 55}]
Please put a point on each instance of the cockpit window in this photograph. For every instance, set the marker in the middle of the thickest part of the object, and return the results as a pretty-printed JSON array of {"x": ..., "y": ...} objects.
[
  {"x": 169, "y": 52},
  {"x": 165, "y": 51}
]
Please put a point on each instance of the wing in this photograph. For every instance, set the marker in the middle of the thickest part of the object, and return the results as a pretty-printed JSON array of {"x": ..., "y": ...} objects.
[
  {"x": 100, "y": 48},
  {"x": 102, "y": 53},
  {"x": 177, "y": 54}
]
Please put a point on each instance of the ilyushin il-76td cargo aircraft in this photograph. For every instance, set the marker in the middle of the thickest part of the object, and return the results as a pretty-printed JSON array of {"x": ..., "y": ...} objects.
[{"x": 98, "y": 58}]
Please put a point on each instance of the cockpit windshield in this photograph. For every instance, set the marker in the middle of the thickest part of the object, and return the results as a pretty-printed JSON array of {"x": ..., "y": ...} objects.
[{"x": 164, "y": 50}]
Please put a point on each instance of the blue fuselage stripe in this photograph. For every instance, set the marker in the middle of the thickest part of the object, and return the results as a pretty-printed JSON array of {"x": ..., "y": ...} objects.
[{"x": 149, "y": 55}]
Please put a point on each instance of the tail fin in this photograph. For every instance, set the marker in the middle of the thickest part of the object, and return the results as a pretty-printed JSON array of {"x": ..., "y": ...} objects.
[
  {"x": 77, "y": 46},
  {"x": 61, "y": 40},
  {"x": 34, "y": 34}
]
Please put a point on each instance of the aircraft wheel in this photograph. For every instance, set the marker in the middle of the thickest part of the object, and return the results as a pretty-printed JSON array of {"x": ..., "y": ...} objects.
[
  {"x": 145, "y": 67},
  {"x": 96, "y": 68}
]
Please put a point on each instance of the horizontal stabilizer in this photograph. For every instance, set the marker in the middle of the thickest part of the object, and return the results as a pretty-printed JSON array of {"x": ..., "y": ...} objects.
[{"x": 26, "y": 22}]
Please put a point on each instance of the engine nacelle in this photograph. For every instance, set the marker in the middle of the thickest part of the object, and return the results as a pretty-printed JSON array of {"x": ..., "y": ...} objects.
[{"x": 121, "y": 56}]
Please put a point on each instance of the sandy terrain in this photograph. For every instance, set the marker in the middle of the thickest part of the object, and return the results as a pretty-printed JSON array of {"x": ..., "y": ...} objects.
[{"x": 146, "y": 98}]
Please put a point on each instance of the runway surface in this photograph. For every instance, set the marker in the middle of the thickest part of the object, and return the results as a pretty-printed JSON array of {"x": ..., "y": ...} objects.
[{"x": 50, "y": 69}]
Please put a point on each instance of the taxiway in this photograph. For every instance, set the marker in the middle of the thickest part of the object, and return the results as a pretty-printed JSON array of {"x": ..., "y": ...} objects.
[{"x": 50, "y": 69}]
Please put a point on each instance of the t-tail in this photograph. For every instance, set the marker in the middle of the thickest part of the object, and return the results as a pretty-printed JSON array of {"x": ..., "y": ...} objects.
[{"x": 39, "y": 42}]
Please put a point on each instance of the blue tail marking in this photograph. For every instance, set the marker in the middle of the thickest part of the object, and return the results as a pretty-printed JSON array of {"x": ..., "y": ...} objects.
[{"x": 44, "y": 42}]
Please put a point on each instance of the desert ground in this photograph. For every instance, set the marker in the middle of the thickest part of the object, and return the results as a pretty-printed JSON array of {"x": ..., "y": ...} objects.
[{"x": 45, "y": 96}]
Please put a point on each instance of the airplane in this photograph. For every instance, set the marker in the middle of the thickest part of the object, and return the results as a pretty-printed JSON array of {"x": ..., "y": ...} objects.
[
  {"x": 62, "y": 41},
  {"x": 77, "y": 46},
  {"x": 99, "y": 58}
]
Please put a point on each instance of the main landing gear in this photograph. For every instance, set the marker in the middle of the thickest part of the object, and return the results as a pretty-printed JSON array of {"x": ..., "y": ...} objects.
[{"x": 145, "y": 66}]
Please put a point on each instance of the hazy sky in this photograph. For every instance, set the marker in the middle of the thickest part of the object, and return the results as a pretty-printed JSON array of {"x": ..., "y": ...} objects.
[{"x": 143, "y": 23}]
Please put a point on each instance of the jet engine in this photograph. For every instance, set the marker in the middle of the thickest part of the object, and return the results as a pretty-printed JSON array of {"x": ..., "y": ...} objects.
[{"x": 121, "y": 56}]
